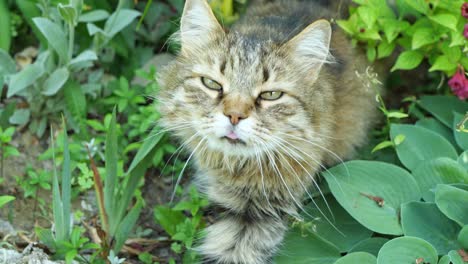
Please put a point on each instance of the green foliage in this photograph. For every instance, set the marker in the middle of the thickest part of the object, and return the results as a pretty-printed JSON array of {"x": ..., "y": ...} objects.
[
  {"x": 422, "y": 29},
  {"x": 422, "y": 213},
  {"x": 4, "y": 199},
  {"x": 51, "y": 84},
  {"x": 183, "y": 230}
]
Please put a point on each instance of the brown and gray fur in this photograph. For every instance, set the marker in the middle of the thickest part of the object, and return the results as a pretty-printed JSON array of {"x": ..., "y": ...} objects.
[{"x": 323, "y": 115}]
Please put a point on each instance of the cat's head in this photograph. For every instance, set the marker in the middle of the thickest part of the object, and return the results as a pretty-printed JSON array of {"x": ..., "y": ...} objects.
[{"x": 241, "y": 95}]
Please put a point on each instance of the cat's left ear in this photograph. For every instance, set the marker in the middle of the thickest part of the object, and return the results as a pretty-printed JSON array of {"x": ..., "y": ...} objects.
[
  {"x": 198, "y": 25},
  {"x": 311, "y": 47}
]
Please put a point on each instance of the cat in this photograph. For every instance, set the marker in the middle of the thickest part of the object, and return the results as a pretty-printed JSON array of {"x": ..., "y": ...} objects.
[{"x": 262, "y": 107}]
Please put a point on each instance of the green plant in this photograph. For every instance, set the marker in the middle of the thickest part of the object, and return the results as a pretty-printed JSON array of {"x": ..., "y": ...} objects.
[
  {"x": 436, "y": 32},
  {"x": 114, "y": 197},
  {"x": 64, "y": 239},
  {"x": 4, "y": 199},
  {"x": 384, "y": 213},
  {"x": 183, "y": 230},
  {"x": 51, "y": 84},
  {"x": 6, "y": 149}
]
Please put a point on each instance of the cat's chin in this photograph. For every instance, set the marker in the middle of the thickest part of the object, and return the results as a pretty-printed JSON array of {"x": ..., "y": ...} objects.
[{"x": 231, "y": 147}]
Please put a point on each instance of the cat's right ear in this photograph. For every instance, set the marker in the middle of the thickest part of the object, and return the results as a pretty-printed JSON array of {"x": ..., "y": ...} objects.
[{"x": 198, "y": 25}]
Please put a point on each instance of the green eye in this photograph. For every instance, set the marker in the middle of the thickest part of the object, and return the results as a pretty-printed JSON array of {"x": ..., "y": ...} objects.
[
  {"x": 271, "y": 95},
  {"x": 210, "y": 84}
]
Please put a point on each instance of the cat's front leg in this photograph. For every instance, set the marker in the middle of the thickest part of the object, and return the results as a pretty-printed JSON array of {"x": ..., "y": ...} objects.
[{"x": 243, "y": 238}]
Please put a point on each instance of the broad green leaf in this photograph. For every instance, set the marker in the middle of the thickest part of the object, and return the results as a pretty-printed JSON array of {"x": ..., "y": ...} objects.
[
  {"x": 340, "y": 228},
  {"x": 119, "y": 20},
  {"x": 453, "y": 202},
  {"x": 20, "y": 117},
  {"x": 444, "y": 260},
  {"x": 83, "y": 58},
  {"x": 7, "y": 64},
  {"x": 455, "y": 257},
  {"x": 4, "y": 199},
  {"x": 392, "y": 28},
  {"x": 460, "y": 136},
  {"x": 357, "y": 257},
  {"x": 420, "y": 144},
  {"x": 443, "y": 107},
  {"x": 422, "y": 37},
  {"x": 436, "y": 126},
  {"x": 385, "y": 49},
  {"x": 111, "y": 158},
  {"x": 430, "y": 173},
  {"x": 463, "y": 237},
  {"x": 55, "y": 36},
  {"x": 443, "y": 63},
  {"x": 463, "y": 160},
  {"x": 168, "y": 218},
  {"x": 24, "y": 78},
  {"x": 419, "y": 5},
  {"x": 55, "y": 81},
  {"x": 408, "y": 60},
  {"x": 436, "y": 229},
  {"x": 371, "y": 245},
  {"x": 406, "y": 250},
  {"x": 368, "y": 15},
  {"x": 372, "y": 192},
  {"x": 93, "y": 16},
  {"x": 306, "y": 248},
  {"x": 446, "y": 20},
  {"x": 93, "y": 29}
]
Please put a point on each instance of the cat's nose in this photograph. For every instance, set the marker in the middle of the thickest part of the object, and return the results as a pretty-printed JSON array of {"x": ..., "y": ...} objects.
[{"x": 235, "y": 117}]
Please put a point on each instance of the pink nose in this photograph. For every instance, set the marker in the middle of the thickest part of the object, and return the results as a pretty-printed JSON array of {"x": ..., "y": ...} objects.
[{"x": 235, "y": 117}]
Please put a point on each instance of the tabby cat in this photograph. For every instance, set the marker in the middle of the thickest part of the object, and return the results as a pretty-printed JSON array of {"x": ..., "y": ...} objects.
[{"x": 262, "y": 107}]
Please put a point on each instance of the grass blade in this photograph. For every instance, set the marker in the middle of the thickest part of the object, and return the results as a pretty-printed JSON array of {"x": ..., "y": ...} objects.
[
  {"x": 66, "y": 184},
  {"x": 111, "y": 156}
]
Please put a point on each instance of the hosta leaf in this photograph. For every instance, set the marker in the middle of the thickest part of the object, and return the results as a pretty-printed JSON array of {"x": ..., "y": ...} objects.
[
  {"x": 463, "y": 160},
  {"x": 443, "y": 107},
  {"x": 420, "y": 144},
  {"x": 406, "y": 250},
  {"x": 463, "y": 237},
  {"x": 437, "y": 229},
  {"x": 372, "y": 192},
  {"x": 453, "y": 202},
  {"x": 436, "y": 126},
  {"x": 438, "y": 171},
  {"x": 460, "y": 136},
  {"x": 357, "y": 257},
  {"x": 371, "y": 245},
  {"x": 306, "y": 248},
  {"x": 339, "y": 228}
]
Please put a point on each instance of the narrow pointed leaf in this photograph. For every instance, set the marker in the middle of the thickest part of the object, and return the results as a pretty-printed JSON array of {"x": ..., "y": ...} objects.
[{"x": 111, "y": 170}]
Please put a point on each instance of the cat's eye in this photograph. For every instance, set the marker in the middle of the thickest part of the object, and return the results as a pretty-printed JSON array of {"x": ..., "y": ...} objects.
[
  {"x": 271, "y": 95},
  {"x": 210, "y": 84}
]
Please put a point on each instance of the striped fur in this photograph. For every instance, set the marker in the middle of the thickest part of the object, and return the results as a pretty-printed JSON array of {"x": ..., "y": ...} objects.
[{"x": 322, "y": 117}]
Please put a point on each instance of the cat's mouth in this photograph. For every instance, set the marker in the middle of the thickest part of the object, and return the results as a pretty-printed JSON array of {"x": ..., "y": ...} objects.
[{"x": 234, "y": 141}]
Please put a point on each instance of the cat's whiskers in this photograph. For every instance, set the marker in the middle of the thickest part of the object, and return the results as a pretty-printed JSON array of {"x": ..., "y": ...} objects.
[
  {"x": 260, "y": 165},
  {"x": 185, "y": 166},
  {"x": 272, "y": 162},
  {"x": 288, "y": 150}
]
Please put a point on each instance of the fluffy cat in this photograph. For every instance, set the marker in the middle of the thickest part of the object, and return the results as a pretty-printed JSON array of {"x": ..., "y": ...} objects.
[{"x": 262, "y": 107}]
